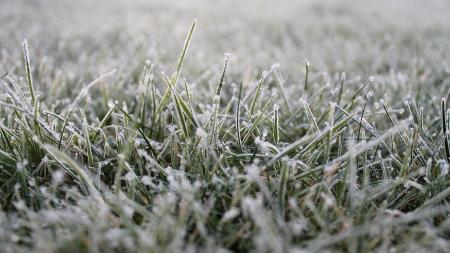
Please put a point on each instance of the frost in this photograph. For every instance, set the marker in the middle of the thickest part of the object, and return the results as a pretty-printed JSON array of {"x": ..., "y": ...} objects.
[
  {"x": 230, "y": 214},
  {"x": 51, "y": 216},
  {"x": 444, "y": 167},
  {"x": 201, "y": 133},
  {"x": 21, "y": 165},
  {"x": 275, "y": 66},
  {"x": 129, "y": 176},
  {"x": 231, "y": 194},
  {"x": 114, "y": 236},
  {"x": 264, "y": 74},
  {"x": 172, "y": 128},
  {"x": 20, "y": 205},
  {"x": 32, "y": 182},
  {"x": 253, "y": 171},
  {"x": 247, "y": 125},
  {"x": 142, "y": 89},
  {"x": 128, "y": 211},
  {"x": 302, "y": 101},
  {"x": 146, "y": 180},
  {"x": 298, "y": 226}
]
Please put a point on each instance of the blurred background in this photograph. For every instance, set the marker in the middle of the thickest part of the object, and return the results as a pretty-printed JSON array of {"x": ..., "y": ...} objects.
[{"x": 359, "y": 37}]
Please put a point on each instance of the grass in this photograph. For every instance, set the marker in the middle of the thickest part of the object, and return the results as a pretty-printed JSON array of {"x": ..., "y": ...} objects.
[{"x": 215, "y": 158}]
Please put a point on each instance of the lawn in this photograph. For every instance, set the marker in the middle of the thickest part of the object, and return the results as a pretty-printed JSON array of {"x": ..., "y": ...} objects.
[{"x": 224, "y": 126}]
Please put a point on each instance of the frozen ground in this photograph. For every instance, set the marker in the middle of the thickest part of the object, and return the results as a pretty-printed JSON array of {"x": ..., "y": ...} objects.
[{"x": 110, "y": 143}]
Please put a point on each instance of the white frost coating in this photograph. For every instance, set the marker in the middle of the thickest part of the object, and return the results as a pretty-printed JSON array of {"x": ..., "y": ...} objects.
[
  {"x": 444, "y": 167},
  {"x": 328, "y": 200},
  {"x": 275, "y": 66},
  {"x": 146, "y": 180},
  {"x": 201, "y": 133},
  {"x": 114, "y": 236},
  {"x": 21, "y": 165},
  {"x": 262, "y": 144},
  {"x": 172, "y": 128},
  {"x": 129, "y": 176},
  {"x": 32, "y": 182},
  {"x": 264, "y": 74},
  {"x": 142, "y": 88},
  {"x": 302, "y": 101},
  {"x": 253, "y": 171},
  {"x": 58, "y": 177},
  {"x": 222, "y": 195},
  {"x": 230, "y": 214},
  {"x": 128, "y": 210}
]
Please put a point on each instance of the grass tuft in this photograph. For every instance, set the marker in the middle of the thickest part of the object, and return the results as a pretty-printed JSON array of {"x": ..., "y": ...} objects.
[{"x": 241, "y": 157}]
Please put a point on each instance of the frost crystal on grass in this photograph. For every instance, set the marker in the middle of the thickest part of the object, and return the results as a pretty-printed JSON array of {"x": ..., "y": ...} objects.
[
  {"x": 253, "y": 171},
  {"x": 444, "y": 167},
  {"x": 201, "y": 133},
  {"x": 230, "y": 214},
  {"x": 129, "y": 176},
  {"x": 21, "y": 165},
  {"x": 146, "y": 180},
  {"x": 257, "y": 158}
]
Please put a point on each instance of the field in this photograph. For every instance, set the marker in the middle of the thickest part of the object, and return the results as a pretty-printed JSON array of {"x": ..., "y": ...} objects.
[{"x": 224, "y": 126}]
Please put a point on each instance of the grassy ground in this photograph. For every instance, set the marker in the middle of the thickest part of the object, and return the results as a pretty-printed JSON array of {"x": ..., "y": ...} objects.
[{"x": 324, "y": 128}]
